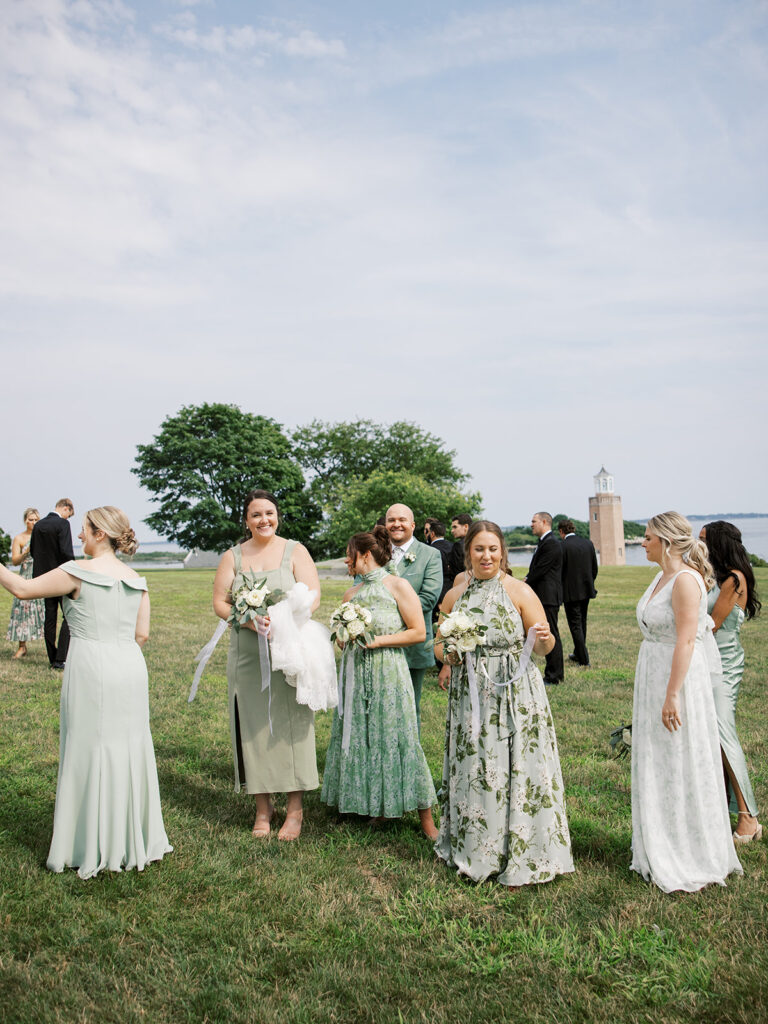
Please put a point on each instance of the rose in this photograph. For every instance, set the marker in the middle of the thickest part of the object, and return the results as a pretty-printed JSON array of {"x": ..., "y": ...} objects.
[
  {"x": 366, "y": 616},
  {"x": 348, "y": 613},
  {"x": 355, "y": 628},
  {"x": 255, "y": 598},
  {"x": 463, "y": 621},
  {"x": 446, "y": 627},
  {"x": 466, "y": 644}
]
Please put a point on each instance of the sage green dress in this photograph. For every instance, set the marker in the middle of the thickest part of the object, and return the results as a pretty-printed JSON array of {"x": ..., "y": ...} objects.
[
  {"x": 726, "y": 691},
  {"x": 107, "y": 798},
  {"x": 502, "y": 805},
  {"x": 284, "y": 760},
  {"x": 384, "y": 772}
]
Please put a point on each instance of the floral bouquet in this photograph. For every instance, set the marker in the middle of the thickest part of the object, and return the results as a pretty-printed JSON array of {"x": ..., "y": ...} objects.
[
  {"x": 461, "y": 632},
  {"x": 253, "y": 597},
  {"x": 351, "y": 621}
]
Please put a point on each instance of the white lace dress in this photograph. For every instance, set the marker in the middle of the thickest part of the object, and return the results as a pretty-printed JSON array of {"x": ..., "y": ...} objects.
[{"x": 681, "y": 831}]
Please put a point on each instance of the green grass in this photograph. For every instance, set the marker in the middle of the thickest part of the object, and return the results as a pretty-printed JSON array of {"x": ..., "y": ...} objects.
[{"x": 351, "y": 925}]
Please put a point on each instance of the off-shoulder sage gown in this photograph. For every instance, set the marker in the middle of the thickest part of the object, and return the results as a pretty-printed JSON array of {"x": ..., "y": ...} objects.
[
  {"x": 726, "y": 691},
  {"x": 107, "y": 798}
]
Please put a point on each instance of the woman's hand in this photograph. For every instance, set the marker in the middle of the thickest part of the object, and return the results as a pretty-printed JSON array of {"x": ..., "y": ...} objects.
[
  {"x": 670, "y": 713},
  {"x": 444, "y": 676},
  {"x": 542, "y": 632},
  {"x": 451, "y": 657}
]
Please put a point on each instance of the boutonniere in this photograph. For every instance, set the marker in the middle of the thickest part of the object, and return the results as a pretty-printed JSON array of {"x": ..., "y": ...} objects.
[{"x": 409, "y": 557}]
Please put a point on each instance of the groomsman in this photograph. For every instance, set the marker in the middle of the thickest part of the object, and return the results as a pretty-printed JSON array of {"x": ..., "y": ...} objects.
[
  {"x": 434, "y": 535},
  {"x": 579, "y": 573},
  {"x": 50, "y": 546},
  {"x": 459, "y": 526},
  {"x": 545, "y": 579},
  {"x": 421, "y": 565}
]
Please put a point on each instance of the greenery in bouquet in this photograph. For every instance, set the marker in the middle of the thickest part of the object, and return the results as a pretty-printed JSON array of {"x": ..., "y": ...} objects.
[
  {"x": 461, "y": 632},
  {"x": 253, "y": 597},
  {"x": 351, "y": 622}
]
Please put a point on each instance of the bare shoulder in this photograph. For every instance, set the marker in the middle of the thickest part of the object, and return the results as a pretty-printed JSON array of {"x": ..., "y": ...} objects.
[
  {"x": 518, "y": 591},
  {"x": 454, "y": 593},
  {"x": 351, "y": 592},
  {"x": 686, "y": 586}
]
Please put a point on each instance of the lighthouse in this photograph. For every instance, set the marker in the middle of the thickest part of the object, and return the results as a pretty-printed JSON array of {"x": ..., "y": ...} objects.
[{"x": 606, "y": 522}]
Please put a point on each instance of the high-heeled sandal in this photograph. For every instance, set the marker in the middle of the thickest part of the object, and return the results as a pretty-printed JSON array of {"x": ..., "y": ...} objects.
[{"x": 757, "y": 835}]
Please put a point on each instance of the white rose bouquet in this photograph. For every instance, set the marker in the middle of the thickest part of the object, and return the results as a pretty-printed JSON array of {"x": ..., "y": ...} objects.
[
  {"x": 253, "y": 597},
  {"x": 461, "y": 632},
  {"x": 351, "y": 622}
]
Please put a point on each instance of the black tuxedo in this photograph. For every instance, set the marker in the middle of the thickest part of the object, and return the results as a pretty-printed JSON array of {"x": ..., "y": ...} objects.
[
  {"x": 545, "y": 579},
  {"x": 445, "y": 547},
  {"x": 457, "y": 558},
  {"x": 579, "y": 573},
  {"x": 50, "y": 546}
]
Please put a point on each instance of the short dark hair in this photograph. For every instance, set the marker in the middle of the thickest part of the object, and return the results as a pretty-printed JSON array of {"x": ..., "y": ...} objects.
[
  {"x": 435, "y": 526},
  {"x": 463, "y": 519},
  {"x": 566, "y": 526}
]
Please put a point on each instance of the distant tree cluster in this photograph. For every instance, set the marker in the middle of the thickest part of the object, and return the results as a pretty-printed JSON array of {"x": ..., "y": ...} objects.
[
  {"x": 331, "y": 479},
  {"x": 5, "y": 546}
]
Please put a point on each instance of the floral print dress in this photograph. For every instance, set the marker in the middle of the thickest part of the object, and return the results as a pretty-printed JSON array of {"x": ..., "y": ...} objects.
[
  {"x": 384, "y": 772},
  {"x": 502, "y": 805},
  {"x": 27, "y": 617}
]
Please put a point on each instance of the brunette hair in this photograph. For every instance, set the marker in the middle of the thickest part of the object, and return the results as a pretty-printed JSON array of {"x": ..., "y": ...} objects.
[
  {"x": 114, "y": 523},
  {"x": 485, "y": 526},
  {"x": 27, "y": 512},
  {"x": 256, "y": 495},
  {"x": 676, "y": 536},
  {"x": 463, "y": 519},
  {"x": 377, "y": 542},
  {"x": 566, "y": 526},
  {"x": 727, "y": 553},
  {"x": 435, "y": 526}
]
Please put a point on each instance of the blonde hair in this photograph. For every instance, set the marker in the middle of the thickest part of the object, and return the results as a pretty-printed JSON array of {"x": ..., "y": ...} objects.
[
  {"x": 114, "y": 522},
  {"x": 676, "y": 536},
  {"x": 65, "y": 503},
  {"x": 27, "y": 512}
]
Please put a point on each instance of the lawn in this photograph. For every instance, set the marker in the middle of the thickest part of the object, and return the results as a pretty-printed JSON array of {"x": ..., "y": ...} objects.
[{"x": 351, "y": 924}]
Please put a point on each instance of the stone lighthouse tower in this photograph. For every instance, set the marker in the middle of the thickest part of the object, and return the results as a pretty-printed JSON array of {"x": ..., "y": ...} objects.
[{"x": 606, "y": 522}]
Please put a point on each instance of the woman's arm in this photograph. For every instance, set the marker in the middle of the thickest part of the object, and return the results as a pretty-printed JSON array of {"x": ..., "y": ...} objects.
[
  {"x": 142, "y": 621},
  {"x": 409, "y": 606},
  {"x": 532, "y": 613},
  {"x": 728, "y": 597},
  {"x": 686, "y": 596},
  {"x": 305, "y": 571},
  {"x": 444, "y": 675},
  {"x": 56, "y": 583},
  {"x": 19, "y": 550},
  {"x": 222, "y": 585}
]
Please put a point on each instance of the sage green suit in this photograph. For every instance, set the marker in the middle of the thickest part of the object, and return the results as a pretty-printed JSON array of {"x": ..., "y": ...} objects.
[{"x": 425, "y": 574}]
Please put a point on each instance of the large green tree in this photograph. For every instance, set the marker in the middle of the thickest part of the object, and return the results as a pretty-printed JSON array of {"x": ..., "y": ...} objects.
[
  {"x": 5, "y": 547},
  {"x": 364, "y": 499},
  {"x": 203, "y": 462}
]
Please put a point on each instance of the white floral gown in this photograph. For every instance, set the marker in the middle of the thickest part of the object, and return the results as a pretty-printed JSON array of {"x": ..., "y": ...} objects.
[
  {"x": 681, "y": 832},
  {"x": 502, "y": 805}
]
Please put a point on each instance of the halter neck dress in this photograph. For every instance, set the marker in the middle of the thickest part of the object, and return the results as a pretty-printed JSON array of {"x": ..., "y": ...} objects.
[
  {"x": 681, "y": 832},
  {"x": 284, "y": 760}
]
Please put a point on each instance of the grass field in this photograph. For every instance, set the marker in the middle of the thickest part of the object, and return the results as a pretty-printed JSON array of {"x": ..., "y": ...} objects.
[{"x": 352, "y": 925}]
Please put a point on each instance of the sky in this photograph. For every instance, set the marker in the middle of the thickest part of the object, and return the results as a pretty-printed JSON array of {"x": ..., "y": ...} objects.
[{"x": 538, "y": 230}]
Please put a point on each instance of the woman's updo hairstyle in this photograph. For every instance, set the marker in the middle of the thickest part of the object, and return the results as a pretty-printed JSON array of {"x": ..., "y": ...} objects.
[
  {"x": 27, "y": 512},
  {"x": 377, "y": 542},
  {"x": 727, "y": 553},
  {"x": 485, "y": 526},
  {"x": 676, "y": 536},
  {"x": 114, "y": 523}
]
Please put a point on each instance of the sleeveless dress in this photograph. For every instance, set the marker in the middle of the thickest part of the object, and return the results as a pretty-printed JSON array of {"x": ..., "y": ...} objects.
[
  {"x": 27, "y": 617},
  {"x": 107, "y": 799},
  {"x": 502, "y": 804},
  {"x": 283, "y": 761},
  {"x": 726, "y": 691},
  {"x": 681, "y": 832},
  {"x": 384, "y": 773}
]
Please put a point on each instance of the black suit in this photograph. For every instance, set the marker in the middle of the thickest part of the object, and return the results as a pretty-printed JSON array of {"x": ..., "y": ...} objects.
[
  {"x": 445, "y": 547},
  {"x": 50, "y": 546},
  {"x": 579, "y": 573},
  {"x": 545, "y": 579},
  {"x": 457, "y": 558}
]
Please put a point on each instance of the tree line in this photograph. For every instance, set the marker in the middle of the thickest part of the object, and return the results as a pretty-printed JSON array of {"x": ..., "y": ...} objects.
[{"x": 331, "y": 479}]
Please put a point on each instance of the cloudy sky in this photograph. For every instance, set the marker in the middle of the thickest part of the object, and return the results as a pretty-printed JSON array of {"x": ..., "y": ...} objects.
[{"x": 537, "y": 229}]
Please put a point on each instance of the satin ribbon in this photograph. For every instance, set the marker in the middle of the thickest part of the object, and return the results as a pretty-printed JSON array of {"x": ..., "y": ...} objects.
[
  {"x": 474, "y": 698},
  {"x": 525, "y": 657},
  {"x": 204, "y": 657},
  {"x": 346, "y": 694}
]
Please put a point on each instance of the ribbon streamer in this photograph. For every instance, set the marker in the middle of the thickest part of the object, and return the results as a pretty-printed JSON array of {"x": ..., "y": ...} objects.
[
  {"x": 525, "y": 657},
  {"x": 204, "y": 657},
  {"x": 346, "y": 695},
  {"x": 474, "y": 698},
  {"x": 266, "y": 670}
]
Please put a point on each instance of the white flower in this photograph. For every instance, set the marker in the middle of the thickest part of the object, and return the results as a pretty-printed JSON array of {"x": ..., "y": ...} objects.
[
  {"x": 348, "y": 613},
  {"x": 446, "y": 627},
  {"x": 355, "y": 628},
  {"x": 463, "y": 621},
  {"x": 466, "y": 644},
  {"x": 366, "y": 616},
  {"x": 255, "y": 598}
]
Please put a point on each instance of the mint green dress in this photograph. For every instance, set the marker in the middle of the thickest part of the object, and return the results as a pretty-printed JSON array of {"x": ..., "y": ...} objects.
[
  {"x": 107, "y": 798},
  {"x": 384, "y": 773},
  {"x": 726, "y": 691},
  {"x": 284, "y": 760}
]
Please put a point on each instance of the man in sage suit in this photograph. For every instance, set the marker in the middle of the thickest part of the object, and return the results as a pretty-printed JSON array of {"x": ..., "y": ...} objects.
[{"x": 422, "y": 566}]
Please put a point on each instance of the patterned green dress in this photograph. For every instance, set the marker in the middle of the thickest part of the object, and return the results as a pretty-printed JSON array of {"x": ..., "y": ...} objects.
[
  {"x": 384, "y": 772},
  {"x": 27, "y": 617},
  {"x": 502, "y": 806}
]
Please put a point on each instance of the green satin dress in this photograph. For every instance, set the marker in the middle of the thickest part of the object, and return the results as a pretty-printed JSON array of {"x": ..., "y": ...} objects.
[
  {"x": 726, "y": 691},
  {"x": 284, "y": 760}
]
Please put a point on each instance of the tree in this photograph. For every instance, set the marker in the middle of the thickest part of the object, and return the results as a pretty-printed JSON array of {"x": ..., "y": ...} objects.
[
  {"x": 334, "y": 454},
  {"x": 204, "y": 461},
  {"x": 364, "y": 499},
  {"x": 5, "y": 547}
]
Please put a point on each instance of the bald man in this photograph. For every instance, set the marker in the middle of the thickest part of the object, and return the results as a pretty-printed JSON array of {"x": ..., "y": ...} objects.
[{"x": 422, "y": 566}]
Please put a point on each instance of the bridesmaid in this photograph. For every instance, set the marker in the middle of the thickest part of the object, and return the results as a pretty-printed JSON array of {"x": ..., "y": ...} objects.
[
  {"x": 730, "y": 601},
  {"x": 27, "y": 617},
  {"x": 273, "y": 737}
]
